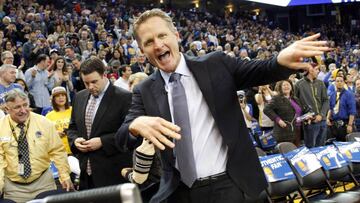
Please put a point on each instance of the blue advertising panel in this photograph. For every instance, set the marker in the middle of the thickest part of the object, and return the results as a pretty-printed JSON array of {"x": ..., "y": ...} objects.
[
  {"x": 329, "y": 157},
  {"x": 350, "y": 150},
  {"x": 304, "y": 161},
  {"x": 276, "y": 168}
]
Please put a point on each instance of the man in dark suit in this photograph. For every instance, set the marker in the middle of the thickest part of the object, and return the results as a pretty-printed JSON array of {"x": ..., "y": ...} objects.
[
  {"x": 189, "y": 110},
  {"x": 98, "y": 111}
]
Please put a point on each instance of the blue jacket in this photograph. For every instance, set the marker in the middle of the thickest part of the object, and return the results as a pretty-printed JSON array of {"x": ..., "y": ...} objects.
[{"x": 347, "y": 105}]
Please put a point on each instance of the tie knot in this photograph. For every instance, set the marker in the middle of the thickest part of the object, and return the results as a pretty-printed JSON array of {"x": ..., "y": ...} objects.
[
  {"x": 21, "y": 126},
  {"x": 174, "y": 77}
]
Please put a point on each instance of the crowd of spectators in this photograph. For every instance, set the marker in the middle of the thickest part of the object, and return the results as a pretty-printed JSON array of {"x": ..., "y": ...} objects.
[{"x": 42, "y": 48}]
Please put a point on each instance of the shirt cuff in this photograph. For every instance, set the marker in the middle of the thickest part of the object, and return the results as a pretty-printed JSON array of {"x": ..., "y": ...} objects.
[{"x": 277, "y": 119}]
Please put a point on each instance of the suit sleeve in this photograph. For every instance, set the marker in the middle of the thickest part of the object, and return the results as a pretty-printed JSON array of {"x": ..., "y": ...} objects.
[
  {"x": 124, "y": 140},
  {"x": 255, "y": 72},
  {"x": 108, "y": 140}
]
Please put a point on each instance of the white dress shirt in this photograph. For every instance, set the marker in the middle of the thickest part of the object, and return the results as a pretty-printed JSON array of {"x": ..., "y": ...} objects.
[
  {"x": 99, "y": 98},
  {"x": 210, "y": 152}
]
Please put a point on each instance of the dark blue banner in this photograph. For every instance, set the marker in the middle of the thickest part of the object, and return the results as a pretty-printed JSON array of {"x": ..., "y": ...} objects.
[
  {"x": 350, "y": 150},
  {"x": 276, "y": 168},
  {"x": 329, "y": 157},
  {"x": 304, "y": 161}
]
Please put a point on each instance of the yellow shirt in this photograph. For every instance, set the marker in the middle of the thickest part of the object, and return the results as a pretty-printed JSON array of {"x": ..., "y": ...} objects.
[
  {"x": 61, "y": 120},
  {"x": 44, "y": 145}
]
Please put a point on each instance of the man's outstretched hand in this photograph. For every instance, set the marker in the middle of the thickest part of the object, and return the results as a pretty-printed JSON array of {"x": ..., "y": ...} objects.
[
  {"x": 293, "y": 55},
  {"x": 158, "y": 130}
]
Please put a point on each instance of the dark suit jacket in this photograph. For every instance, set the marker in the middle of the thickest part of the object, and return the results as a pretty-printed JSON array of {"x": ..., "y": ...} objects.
[
  {"x": 106, "y": 162},
  {"x": 219, "y": 77}
]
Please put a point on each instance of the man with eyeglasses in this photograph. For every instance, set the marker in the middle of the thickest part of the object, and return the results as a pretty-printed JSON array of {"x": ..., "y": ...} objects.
[
  {"x": 28, "y": 142},
  {"x": 7, "y": 79},
  {"x": 141, "y": 64},
  {"x": 8, "y": 58}
]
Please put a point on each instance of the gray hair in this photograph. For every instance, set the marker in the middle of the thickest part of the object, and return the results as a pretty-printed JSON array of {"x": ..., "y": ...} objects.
[
  {"x": 5, "y": 67},
  {"x": 13, "y": 94},
  {"x": 4, "y": 53}
]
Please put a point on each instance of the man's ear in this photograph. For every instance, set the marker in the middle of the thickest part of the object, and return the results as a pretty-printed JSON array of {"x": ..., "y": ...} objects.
[{"x": 5, "y": 107}]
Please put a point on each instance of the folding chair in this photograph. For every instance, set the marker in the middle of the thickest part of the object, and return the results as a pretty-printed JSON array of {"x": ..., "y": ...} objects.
[
  {"x": 280, "y": 190},
  {"x": 314, "y": 181},
  {"x": 353, "y": 137}
]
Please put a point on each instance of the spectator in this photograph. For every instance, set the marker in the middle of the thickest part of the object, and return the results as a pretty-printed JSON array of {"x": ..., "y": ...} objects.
[
  {"x": 60, "y": 114},
  {"x": 61, "y": 75},
  {"x": 357, "y": 102},
  {"x": 246, "y": 109},
  {"x": 40, "y": 82},
  {"x": 312, "y": 93},
  {"x": 28, "y": 49},
  {"x": 193, "y": 50},
  {"x": 31, "y": 157},
  {"x": 123, "y": 81},
  {"x": 75, "y": 76},
  {"x": 262, "y": 98},
  {"x": 8, "y": 58},
  {"x": 135, "y": 79},
  {"x": 141, "y": 65},
  {"x": 7, "y": 79},
  {"x": 284, "y": 109},
  {"x": 342, "y": 112},
  {"x": 61, "y": 45},
  {"x": 25, "y": 88}
]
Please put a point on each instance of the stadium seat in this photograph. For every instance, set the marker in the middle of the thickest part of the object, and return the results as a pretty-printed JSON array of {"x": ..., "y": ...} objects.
[
  {"x": 284, "y": 147},
  {"x": 260, "y": 152},
  {"x": 352, "y": 137}
]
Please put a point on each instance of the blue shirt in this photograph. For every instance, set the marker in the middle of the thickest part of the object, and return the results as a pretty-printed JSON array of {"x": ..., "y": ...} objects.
[
  {"x": 347, "y": 105},
  {"x": 4, "y": 90},
  {"x": 40, "y": 86}
]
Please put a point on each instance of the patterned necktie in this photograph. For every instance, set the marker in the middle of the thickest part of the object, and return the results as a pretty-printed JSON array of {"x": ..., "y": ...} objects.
[
  {"x": 23, "y": 151},
  {"x": 183, "y": 147},
  {"x": 88, "y": 123},
  {"x": 89, "y": 115}
]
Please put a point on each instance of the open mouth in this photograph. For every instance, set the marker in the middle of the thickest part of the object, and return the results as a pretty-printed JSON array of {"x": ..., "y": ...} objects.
[{"x": 164, "y": 56}]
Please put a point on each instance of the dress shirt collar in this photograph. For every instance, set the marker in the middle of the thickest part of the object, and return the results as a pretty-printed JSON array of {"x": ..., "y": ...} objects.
[
  {"x": 14, "y": 124},
  {"x": 102, "y": 93},
  {"x": 182, "y": 69}
]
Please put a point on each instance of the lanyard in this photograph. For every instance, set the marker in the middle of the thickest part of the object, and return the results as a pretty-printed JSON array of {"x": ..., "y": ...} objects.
[{"x": 13, "y": 130}]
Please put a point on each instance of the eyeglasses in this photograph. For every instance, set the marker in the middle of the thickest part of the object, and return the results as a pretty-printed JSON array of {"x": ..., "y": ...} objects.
[{"x": 12, "y": 58}]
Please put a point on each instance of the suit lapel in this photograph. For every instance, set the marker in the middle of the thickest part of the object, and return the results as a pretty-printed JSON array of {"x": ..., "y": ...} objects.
[
  {"x": 104, "y": 104},
  {"x": 83, "y": 103},
  {"x": 160, "y": 97},
  {"x": 202, "y": 78}
]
